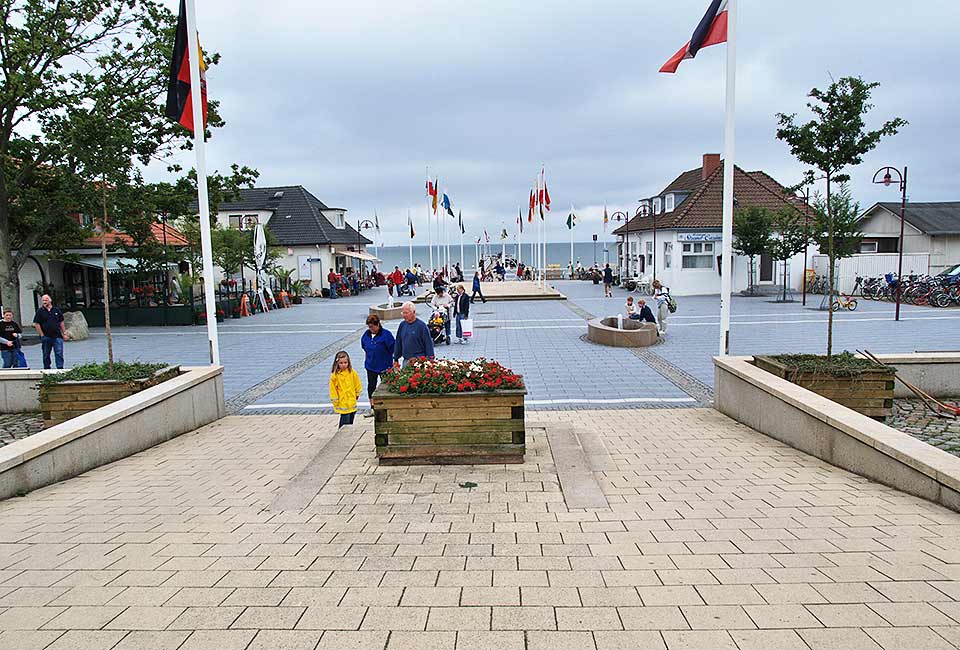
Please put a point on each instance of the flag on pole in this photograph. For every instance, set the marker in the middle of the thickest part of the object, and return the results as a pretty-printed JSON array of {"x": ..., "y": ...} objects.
[
  {"x": 504, "y": 234},
  {"x": 545, "y": 198},
  {"x": 431, "y": 190},
  {"x": 410, "y": 223},
  {"x": 530, "y": 211},
  {"x": 486, "y": 235},
  {"x": 179, "y": 106},
  {"x": 435, "y": 193},
  {"x": 463, "y": 230},
  {"x": 446, "y": 204},
  {"x": 376, "y": 223},
  {"x": 520, "y": 219},
  {"x": 571, "y": 219},
  {"x": 606, "y": 218},
  {"x": 712, "y": 30}
]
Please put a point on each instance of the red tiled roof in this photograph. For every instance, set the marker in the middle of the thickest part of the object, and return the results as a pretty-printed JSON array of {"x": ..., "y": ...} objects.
[
  {"x": 173, "y": 237},
  {"x": 704, "y": 208}
]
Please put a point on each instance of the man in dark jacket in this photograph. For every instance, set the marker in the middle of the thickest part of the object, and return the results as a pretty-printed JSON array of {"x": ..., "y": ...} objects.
[
  {"x": 607, "y": 281},
  {"x": 646, "y": 314},
  {"x": 413, "y": 336},
  {"x": 461, "y": 310},
  {"x": 476, "y": 289}
]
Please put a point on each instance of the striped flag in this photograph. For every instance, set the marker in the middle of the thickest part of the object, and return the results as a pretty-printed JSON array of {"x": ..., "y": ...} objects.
[
  {"x": 179, "y": 100},
  {"x": 712, "y": 30}
]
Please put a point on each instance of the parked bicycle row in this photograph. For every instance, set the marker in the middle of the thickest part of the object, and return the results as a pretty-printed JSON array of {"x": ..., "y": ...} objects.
[{"x": 941, "y": 290}]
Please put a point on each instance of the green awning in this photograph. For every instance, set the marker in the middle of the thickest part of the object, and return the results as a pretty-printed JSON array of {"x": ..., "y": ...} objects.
[{"x": 115, "y": 263}]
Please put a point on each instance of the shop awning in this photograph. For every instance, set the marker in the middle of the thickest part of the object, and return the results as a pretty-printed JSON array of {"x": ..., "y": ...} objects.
[
  {"x": 366, "y": 257},
  {"x": 115, "y": 263}
]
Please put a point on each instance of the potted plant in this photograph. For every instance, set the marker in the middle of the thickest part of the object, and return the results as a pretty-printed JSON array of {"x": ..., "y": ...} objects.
[
  {"x": 448, "y": 411},
  {"x": 298, "y": 290},
  {"x": 836, "y": 139},
  {"x": 86, "y": 387}
]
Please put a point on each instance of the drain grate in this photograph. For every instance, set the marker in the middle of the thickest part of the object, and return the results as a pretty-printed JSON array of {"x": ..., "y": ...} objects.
[{"x": 484, "y": 327}]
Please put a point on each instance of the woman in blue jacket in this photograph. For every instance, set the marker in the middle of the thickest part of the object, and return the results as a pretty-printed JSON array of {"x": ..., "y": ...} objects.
[{"x": 377, "y": 344}]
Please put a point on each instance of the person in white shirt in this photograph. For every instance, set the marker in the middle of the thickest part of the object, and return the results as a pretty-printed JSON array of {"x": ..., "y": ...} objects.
[
  {"x": 662, "y": 295},
  {"x": 442, "y": 302}
]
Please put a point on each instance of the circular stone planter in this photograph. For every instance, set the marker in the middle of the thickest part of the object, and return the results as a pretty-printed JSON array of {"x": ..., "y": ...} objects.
[
  {"x": 635, "y": 334},
  {"x": 386, "y": 312}
]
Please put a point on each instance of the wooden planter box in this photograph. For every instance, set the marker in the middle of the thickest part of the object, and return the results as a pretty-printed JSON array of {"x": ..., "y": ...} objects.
[
  {"x": 869, "y": 393},
  {"x": 458, "y": 429},
  {"x": 69, "y": 399}
]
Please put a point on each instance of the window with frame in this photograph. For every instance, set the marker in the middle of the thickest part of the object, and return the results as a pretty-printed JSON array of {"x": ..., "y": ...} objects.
[
  {"x": 656, "y": 205},
  {"x": 235, "y": 222},
  {"x": 697, "y": 255},
  {"x": 341, "y": 222},
  {"x": 868, "y": 247},
  {"x": 650, "y": 253},
  {"x": 667, "y": 254},
  {"x": 668, "y": 203}
]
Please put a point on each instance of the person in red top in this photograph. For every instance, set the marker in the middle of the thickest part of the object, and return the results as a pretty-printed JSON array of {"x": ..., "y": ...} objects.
[
  {"x": 397, "y": 276},
  {"x": 332, "y": 278}
]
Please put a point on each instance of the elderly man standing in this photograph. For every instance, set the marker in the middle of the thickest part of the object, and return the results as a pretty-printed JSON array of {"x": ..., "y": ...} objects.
[
  {"x": 413, "y": 336},
  {"x": 49, "y": 325}
]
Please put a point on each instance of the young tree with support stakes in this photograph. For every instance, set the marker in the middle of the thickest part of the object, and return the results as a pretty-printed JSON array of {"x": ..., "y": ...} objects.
[
  {"x": 789, "y": 238},
  {"x": 843, "y": 225},
  {"x": 836, "y": 138},
  {"x": 751, "y": 237}
]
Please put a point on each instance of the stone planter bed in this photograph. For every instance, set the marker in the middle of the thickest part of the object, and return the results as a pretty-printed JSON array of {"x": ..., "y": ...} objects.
[
  {"x": 65, "y": 400},
  {"x": 449, "y": 429},
  {"x": 913, "y": 418}
]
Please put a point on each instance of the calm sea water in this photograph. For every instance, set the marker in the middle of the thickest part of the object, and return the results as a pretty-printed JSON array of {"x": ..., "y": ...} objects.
[{"x": 557, "y": 253}]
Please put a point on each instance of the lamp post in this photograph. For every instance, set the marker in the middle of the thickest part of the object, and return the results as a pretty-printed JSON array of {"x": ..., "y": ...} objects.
[
  {"x": 886, "y": 180},
  {"x": 365, "y": 224},
  {"x": 619, "y": 216},
  {"x": 806, "y": 243},
  {"x": 594, "y": 251},
  {"x": 645, "y": 211}
]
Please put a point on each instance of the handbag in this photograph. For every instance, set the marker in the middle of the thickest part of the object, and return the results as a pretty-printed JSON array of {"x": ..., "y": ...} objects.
[
  {"x": 466, "y": 327},
  {"x": 21, "y": 360}
]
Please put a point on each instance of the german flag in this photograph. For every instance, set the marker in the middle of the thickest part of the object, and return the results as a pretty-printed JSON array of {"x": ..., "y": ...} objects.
[{"x": 179, "y": 106}]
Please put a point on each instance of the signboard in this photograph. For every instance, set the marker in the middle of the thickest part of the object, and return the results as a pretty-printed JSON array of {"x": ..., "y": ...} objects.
[
  {"x": 304, "y": 268},
  {"x": 699, "y": 236}
]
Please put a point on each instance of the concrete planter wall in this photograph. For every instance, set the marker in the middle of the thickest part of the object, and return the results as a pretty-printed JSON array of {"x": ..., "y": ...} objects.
[
  {"x": 834, "y": 433},
  {"x": 114, "y": 431},
  {"x": 455, "y": 429},
  {"x": 65, "y": 400}
]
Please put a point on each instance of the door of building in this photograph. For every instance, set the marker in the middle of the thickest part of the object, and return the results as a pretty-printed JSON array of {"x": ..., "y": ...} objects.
[{"x": 766, "y": 269}]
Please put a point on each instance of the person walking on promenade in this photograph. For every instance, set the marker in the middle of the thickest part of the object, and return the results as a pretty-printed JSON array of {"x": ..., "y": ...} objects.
[
  {"x": 442, "y": 302},
  {"x": 413, "y": 336},
  {"x": 49, "y": 325},
  {"x": 377, "y": 343},
  {"x": 461, "y": 310},
  {"x": 345, "y": 388},
  {"x": 10, "y": 333},
  {"x": 662, "y": 295},
  {"x": 476, "y": 288},
  {"x": 607, "y": 282},
  {"x": 332, "y": 281},
  {"x": 411, "y": 279}
]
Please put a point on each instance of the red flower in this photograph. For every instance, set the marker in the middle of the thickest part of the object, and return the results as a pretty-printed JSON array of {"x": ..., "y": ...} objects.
[{"x": 404, "y": 388}]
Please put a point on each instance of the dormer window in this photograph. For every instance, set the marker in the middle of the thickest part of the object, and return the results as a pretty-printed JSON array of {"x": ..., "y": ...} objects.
[
  {"x": 657, "y": 205},
  {"x": 340, "y": 221},
  {"x": 668, "y": 203}
]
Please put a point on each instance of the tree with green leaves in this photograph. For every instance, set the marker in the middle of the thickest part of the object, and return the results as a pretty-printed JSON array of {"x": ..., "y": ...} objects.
[
  {"x": 790, "y": 236},
  {"x": 751, "y": 237},
  {"x": 842, "y": 225},
  {"x": 835, "y": 139}
]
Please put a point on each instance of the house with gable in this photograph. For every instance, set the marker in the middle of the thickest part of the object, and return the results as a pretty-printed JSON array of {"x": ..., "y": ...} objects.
[
  {"x": 312, "y": 237},
  {"x": 679, "y": 239}
]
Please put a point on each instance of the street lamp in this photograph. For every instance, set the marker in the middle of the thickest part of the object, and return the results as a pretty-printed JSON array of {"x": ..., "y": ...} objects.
[
  {"x": 806, "y": 242},
  {"x": 619, "y": 216},
  {"x": 886, "y": 181},
  {"x": 366, "y": 224},
  {"x": 645, "y": 211}
]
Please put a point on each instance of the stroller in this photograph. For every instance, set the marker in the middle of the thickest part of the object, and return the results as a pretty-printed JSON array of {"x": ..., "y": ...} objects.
[
  {"x": 438, "y": 327},
  {"x": 403, "y": 289}
]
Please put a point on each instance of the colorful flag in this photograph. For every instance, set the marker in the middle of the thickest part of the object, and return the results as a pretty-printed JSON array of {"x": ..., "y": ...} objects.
[
  {"x": 436, "y": 194},
  {"x": 460, "y": 219},
  {"x": 544, "y": 192},
  {"x": 530, "y": 211},
  {"x": 712, "y": 30},
  {"x": 179, "y": 98},
  {"x": 431, "y": 190},
  {"x": 571, "y": 219},
  {"x": 446, "y": 204},
  {"x": 410, "y": 223},
  {"x": 504, "y": 234},
  {"x": 606, "y": 219}
]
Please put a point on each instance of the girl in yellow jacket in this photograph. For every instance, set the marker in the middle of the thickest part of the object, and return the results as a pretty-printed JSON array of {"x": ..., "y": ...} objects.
[{"x": 345, "y": 388}]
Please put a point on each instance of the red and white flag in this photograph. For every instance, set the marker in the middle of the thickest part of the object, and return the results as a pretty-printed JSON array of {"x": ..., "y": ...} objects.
[{"x": 712, "y": 30}]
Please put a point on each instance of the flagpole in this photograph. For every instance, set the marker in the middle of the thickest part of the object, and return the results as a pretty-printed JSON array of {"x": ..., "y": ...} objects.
[
  {"x": 726, "y": 260},
  {"x": 463, "y": 262},
  {"x": 203, "y": 200},
  {"x": 573, "y": 223},
  {"x": 519, "y": 236},
  {"x": 410, "y": 242},
  {"x": 429, "y": 236}
]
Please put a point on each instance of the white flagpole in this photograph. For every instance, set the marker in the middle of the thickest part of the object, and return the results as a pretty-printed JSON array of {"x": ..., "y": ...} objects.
[
  {"x": 463, "y": 262},
  {"x": 410, "y": 242},
  {"x": 203, "y": 201},
  {"x": 429, "y": 235},
  {"x": 573, "y": 224},
  {"x": 726, "y": 275},
  {"x": 519, "y": 236}
]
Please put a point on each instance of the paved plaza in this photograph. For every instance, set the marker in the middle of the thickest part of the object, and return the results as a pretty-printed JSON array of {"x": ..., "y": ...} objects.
[
  {"x": 279, "y": 362},
  {"x": 708, "y": 535}
]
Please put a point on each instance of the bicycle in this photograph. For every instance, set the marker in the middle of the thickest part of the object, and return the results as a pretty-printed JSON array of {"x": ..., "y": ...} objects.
[{"x": 844, "y": 302}]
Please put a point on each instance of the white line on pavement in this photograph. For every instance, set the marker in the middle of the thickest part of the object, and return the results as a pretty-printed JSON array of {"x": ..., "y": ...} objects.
[
  {"x": 845, "y": 319},
  {"x": 535, "y": 402}
]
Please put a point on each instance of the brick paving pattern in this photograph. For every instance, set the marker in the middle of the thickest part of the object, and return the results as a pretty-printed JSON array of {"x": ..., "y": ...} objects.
[
  {"x": 714, "y": 537},
  {"x": 14, "y": 426},
  {"x": 912, "y": 417}
]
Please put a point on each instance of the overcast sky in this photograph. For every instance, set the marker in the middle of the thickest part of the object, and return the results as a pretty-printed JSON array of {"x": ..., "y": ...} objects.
[{"x": 354, "y": 99}]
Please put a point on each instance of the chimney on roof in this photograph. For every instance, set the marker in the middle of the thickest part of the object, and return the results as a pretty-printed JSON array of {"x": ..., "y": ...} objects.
[{"x": 710, "y": 163}]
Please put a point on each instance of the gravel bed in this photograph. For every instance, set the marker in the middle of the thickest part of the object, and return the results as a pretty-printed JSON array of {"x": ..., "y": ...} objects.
[{"x": 912, "y": 417}]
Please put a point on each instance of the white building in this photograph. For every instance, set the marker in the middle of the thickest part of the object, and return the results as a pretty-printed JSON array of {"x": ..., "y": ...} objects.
[
  {"x": 930, "y": 229},
  {"x": 679, "y": 240},
  {"x": 311, "y": 237}
]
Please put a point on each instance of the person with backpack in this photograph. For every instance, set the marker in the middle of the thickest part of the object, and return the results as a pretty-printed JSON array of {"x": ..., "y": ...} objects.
[{"x": 662, "y": 295}]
